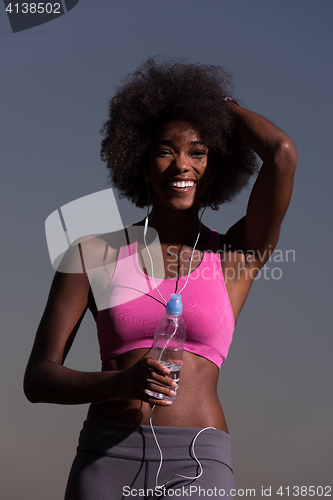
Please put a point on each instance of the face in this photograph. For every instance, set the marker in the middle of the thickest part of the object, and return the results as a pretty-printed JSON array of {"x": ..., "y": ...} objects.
[{"x": 179, "y": 169}]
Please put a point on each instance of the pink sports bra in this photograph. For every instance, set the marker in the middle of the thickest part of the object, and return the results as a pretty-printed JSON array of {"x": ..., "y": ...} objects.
[{"x": 132, "y": 307}]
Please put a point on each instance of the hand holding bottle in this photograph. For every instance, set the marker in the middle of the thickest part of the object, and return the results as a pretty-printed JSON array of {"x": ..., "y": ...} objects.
[{"x": 143, "y": 378}]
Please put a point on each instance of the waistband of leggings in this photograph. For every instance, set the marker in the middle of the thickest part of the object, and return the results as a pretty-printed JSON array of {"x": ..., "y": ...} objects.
[{"x": 136, "y": 442}]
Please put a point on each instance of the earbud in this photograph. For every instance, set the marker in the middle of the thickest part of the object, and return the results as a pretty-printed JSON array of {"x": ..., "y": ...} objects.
[
  {"x": 146, "y": 227},
  {"x": 146, "y": 175}
]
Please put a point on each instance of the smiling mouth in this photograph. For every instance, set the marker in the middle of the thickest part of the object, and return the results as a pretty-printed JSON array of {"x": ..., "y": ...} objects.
[{"x": 181, "y": 184}]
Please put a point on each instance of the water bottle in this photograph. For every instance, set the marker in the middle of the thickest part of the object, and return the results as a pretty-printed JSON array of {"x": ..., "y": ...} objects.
[{"x": 169, "y": 342}]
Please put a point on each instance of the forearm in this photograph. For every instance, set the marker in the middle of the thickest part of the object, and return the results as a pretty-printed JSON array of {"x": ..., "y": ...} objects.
[
  {"x": 54, "y": 383},
  {"x": 271, "y": 144}
]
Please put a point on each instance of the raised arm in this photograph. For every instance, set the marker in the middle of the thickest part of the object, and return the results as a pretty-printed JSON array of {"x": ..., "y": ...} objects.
[{"x": 271, "y": 193}]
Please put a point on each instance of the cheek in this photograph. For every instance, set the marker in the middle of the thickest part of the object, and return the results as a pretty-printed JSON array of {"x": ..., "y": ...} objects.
[
  {"x": 208, "y": 172},
  {"x": 157, "y": 165},
  {"x": 154, "y": 177}
]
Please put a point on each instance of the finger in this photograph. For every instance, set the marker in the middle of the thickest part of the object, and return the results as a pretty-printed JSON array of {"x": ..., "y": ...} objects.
[
  {"x": 154, "y": 383},
  {"x": 160, "y": 389},
  {"x": 141, "y": 392},
  {"x": 141, "y": 375},
  {"x": 156, "y": 366},
  {"x": 158, "y": 402},
  {"x": 162, "y": 379}
]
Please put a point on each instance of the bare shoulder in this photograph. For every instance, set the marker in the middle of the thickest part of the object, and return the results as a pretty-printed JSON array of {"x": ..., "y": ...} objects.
[
  {"x": 90, "y": 252},
  {"x": 100, "y": 250}
]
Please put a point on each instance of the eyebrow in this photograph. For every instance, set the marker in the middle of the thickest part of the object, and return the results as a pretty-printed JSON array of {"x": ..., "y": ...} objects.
[{"x": 168, "y": 142}]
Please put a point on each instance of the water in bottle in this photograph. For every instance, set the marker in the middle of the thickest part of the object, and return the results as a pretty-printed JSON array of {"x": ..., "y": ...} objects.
[{"x": 169, "y": 342}]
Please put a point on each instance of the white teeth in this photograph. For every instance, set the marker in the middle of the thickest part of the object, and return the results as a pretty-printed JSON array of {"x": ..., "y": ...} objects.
[{"x": 181, "y": 184}]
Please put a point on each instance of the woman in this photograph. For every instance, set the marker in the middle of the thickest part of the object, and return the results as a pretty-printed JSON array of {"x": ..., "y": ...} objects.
[{"x": 174, "y": 136}]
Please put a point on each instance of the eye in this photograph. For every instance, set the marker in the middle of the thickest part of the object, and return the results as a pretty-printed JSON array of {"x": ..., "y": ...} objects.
[
  {"x": 163, "y": 153},
  {"x": 199, "y": 153}
]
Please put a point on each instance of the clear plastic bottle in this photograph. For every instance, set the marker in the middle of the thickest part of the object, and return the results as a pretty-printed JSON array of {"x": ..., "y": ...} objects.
[{"x": 169, "y": 342}]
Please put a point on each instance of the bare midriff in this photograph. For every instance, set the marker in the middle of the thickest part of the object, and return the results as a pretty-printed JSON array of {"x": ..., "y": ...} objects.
[{"x": 196, "y": 405}]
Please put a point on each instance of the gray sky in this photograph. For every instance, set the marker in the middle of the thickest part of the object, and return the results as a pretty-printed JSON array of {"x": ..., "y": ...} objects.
[{"x": 276, "y": 386}]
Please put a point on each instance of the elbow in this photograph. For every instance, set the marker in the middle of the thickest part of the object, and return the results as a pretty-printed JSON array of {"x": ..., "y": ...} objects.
[
  {"x": 288, "y": 146},
  {"x": 33, "y": 386},
  {"x": 286, "y": 155},
  {"x": 30, "y": 390},
  {"x": 30, "y": 394}
]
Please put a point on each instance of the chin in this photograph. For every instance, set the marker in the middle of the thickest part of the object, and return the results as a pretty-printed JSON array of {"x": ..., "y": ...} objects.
[
  {"x": 181, "y": 205},
  {"x": 178, "y": 203}
]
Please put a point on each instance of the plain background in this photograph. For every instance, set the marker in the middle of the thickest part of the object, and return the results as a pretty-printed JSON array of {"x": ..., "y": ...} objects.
[{"x": 276, "y": 386}]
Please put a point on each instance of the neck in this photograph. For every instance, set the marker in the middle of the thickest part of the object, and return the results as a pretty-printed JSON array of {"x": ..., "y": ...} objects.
[{"x": 176, "y": 226}]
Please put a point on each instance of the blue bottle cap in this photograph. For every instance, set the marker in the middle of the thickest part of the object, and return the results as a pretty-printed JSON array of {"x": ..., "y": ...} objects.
[{"x": 174, "y": 306}]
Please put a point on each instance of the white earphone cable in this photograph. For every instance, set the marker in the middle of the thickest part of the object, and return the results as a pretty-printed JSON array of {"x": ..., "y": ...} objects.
[
  {"x": 161, "y": 454},
  {"x": 151, "y": 413}
]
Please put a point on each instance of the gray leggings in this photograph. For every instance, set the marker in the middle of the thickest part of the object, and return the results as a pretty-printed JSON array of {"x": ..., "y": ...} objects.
[{"x": 119, "y": 461}]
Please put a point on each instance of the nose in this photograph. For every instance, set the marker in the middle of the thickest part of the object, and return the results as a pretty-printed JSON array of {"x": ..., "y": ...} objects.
[{"x": 181, "y": 163}]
